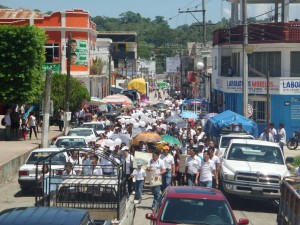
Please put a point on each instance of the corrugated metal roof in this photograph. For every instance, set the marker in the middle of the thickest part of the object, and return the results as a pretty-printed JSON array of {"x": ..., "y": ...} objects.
[{"x": 19, "y": 14}]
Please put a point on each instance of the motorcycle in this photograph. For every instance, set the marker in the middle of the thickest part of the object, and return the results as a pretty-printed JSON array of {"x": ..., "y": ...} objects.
[{"x": 293, "y": 142}]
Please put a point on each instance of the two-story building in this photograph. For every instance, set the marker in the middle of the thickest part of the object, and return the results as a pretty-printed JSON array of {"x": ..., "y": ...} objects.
[
  {"x": 274, "y": 51},
  {"x": 58, "y": 26}
]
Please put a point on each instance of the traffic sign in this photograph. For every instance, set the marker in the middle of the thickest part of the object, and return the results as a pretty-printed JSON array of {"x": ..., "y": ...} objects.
[{"x": 250, "y": 110}]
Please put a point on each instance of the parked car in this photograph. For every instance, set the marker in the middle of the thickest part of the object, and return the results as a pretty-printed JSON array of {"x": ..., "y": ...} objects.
[
  {"x": 27, "y": 178},
  {"x": 253, "y": 169},
  {"x": 97, "y": 126},
  {"x": 89, "y": 134},
  {"x": 69, "y": 142},
  {"x": 53, "y": 216},
  {"x": 193, "y": 205}
]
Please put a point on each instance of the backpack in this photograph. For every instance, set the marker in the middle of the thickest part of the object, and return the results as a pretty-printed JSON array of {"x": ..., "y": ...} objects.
[{"x": 3, "y": 122}]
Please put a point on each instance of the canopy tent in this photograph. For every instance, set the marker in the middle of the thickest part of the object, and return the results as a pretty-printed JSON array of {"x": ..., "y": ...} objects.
[
  {"x": 138, "y": 84},
  {"x": 215, "y": 124},
  {"x": 163, "y": 84}
]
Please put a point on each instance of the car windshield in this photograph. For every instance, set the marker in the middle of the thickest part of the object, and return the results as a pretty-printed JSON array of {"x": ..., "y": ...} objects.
[
  {"x": 225, "y": 140},
  {"x": 70, "y": 143},
  {"x": 58, "y": 159},
  {"x": 196, "y": 211},
  {"x": 95, "y": 126},
  {"x": 80, "y": 133},
  {"x": 255, "y": 153}
]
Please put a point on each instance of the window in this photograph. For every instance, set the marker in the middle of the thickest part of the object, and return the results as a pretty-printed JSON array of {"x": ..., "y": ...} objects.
[
  {"x": 52, "y": 51},
  {"x": 259, "y": 111},
  {"x": 236, "y": 64},
  {"x": 295, "y": 66},
  {"x": 265, "y": 62},
  {"x": 226, "y": 63}
]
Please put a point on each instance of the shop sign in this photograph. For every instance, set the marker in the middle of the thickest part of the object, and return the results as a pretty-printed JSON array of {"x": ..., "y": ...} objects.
[
  {"x": 255, "y": 85},
  {"x": 289, "y": 86}
]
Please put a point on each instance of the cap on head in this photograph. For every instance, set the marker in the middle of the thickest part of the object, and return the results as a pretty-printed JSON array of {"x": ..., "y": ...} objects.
[
  {"x": 139, "y": 163},
  {"x": 125, "y": 148}
]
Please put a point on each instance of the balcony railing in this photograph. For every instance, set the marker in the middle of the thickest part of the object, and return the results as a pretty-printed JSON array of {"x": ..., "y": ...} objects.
[{"x": 259, "y": 33}]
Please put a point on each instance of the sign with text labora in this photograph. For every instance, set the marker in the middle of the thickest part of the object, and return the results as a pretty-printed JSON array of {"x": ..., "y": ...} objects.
[
  {"x": 290, "y": 86},
  {"x": 256, "y": 85},
  {"x": 173, "y": 64}
]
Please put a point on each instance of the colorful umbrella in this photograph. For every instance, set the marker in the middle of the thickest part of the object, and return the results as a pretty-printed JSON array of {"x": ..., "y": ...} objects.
[
  {"x": 146, "y": 137},
  {"x": 117, "y": 100},
  {"x": 189, "y": 114},
  {"x": 138, "y": 84},
  {"x": 171, "y": 140}
]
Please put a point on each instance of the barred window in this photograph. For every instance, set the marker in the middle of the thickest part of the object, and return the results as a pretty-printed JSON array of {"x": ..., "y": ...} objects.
[{"x": 259, "y": 111}]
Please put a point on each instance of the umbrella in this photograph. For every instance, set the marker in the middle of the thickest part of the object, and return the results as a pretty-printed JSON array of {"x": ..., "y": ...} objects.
[
  {"x": 117, "y": 100},
  {"x": 210, "y": 115},
  {"x": 171, "y": 140},
  {"x": 160, "y": 106},
  {"x": 124, "y": 137},
  {"x": 189, "y": 114},
  {"x": 174, "y": 119},
  {"x": 147, "y": 137},
  {"x": 138, "y": 84}
]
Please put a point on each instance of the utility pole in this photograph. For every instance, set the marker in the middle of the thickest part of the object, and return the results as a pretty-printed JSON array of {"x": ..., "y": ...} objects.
[
  {"x": 268, "y": 100},
  {"x": 109, "y": 71},
  {"x": 245, "y": 58},
  {"x": 46, "y": 109},
  {"x": 67, "y": 108}
]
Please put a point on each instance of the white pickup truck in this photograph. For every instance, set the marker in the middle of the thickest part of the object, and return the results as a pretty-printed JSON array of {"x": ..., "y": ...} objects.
[
  {"x": 225, "y": 138},
  {"x": 253, "y": 169}
]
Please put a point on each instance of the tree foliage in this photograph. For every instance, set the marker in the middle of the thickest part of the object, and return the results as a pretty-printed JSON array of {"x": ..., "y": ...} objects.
[
  {"x": 22, "y": 56},
  {"x": 78, "y": 92}
]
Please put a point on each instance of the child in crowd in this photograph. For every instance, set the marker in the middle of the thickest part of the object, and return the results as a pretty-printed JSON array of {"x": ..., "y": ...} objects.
[
  {"x": 23, "y": 128},
  {"x": 139, "y": 174}
]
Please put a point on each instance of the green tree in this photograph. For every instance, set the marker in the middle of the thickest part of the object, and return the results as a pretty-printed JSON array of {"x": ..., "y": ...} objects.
[
  {"x": 22, "y": 56},
  {"x": 78, "y": 92}
]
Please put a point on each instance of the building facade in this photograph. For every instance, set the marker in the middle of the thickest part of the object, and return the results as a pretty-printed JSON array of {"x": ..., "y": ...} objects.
[
  {"x": 59, "y": 26},
  {"x": 273, "y": 51}
]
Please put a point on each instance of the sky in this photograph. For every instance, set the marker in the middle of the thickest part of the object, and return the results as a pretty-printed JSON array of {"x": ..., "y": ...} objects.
[{"x": 215, "y": 9}]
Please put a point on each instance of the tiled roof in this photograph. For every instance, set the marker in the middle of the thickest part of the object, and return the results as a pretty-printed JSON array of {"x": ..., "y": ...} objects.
[{"x": 19, "y": 14}]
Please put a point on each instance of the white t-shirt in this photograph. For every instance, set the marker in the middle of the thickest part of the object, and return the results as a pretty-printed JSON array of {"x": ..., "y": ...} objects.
[
  {"x": 139, "y": 174},
  {"x": 96, "y": 170},
  {"x": 108, "y": 166},
  {"x": 216, "y": 160},
  {"x": 158, "y": 165},
  {"x": 129, "y": 160},
  {"x": 193, "y": 164},
  {"x": 77, "y": 161},
  {"x": 206, "y": 170},
  {"x": 72, "y": 173},
  {"x": 168, "y": 160},
  {"x": 282, "y": 135}
]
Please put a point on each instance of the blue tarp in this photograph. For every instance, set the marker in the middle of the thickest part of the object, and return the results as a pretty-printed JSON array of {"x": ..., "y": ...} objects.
[
  {"x": 193, "y": 100},
  {"x": 214, "y": 125}
]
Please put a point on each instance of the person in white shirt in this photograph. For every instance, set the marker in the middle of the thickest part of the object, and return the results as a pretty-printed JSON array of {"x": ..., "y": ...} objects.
[
  {"x": 266, "y": 136},
  {"x": 69, "y": 170},
  {"x": 217, "y": 162},
  {"x": 108, "y": 163},
  {"x": 96, "y": 169},
  {"x": 192, "y": 165},
  {"x": 206, "y": 171},
  {"x": 168, "y": 160},
  {"x": 281, "y": 136},
  {"x": 273, "y": 131},
  {"x": 139, "y": 174},
  {"x": 127, "y": 161},
  {"x": 157, "y": 168}
]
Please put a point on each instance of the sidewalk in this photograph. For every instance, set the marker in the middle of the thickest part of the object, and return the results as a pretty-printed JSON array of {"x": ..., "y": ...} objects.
[{"x": 14, "y": 153}]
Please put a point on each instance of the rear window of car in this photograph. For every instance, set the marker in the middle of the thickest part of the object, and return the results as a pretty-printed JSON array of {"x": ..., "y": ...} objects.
[
  {"x": 196, "y": 211},
  {"x": 59, "y": 159},
  {"x": 99, "y": 126},
  {"x": 80, "y": 133},
  {"x": 225, "y": 140},
  {"x": 70, "y": 143}
]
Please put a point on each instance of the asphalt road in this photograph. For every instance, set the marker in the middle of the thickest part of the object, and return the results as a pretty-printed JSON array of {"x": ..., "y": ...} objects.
[{"x": 259, "y": 213}]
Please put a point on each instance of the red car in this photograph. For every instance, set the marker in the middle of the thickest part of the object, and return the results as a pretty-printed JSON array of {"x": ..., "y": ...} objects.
[{"x": 193, "y": 205}]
